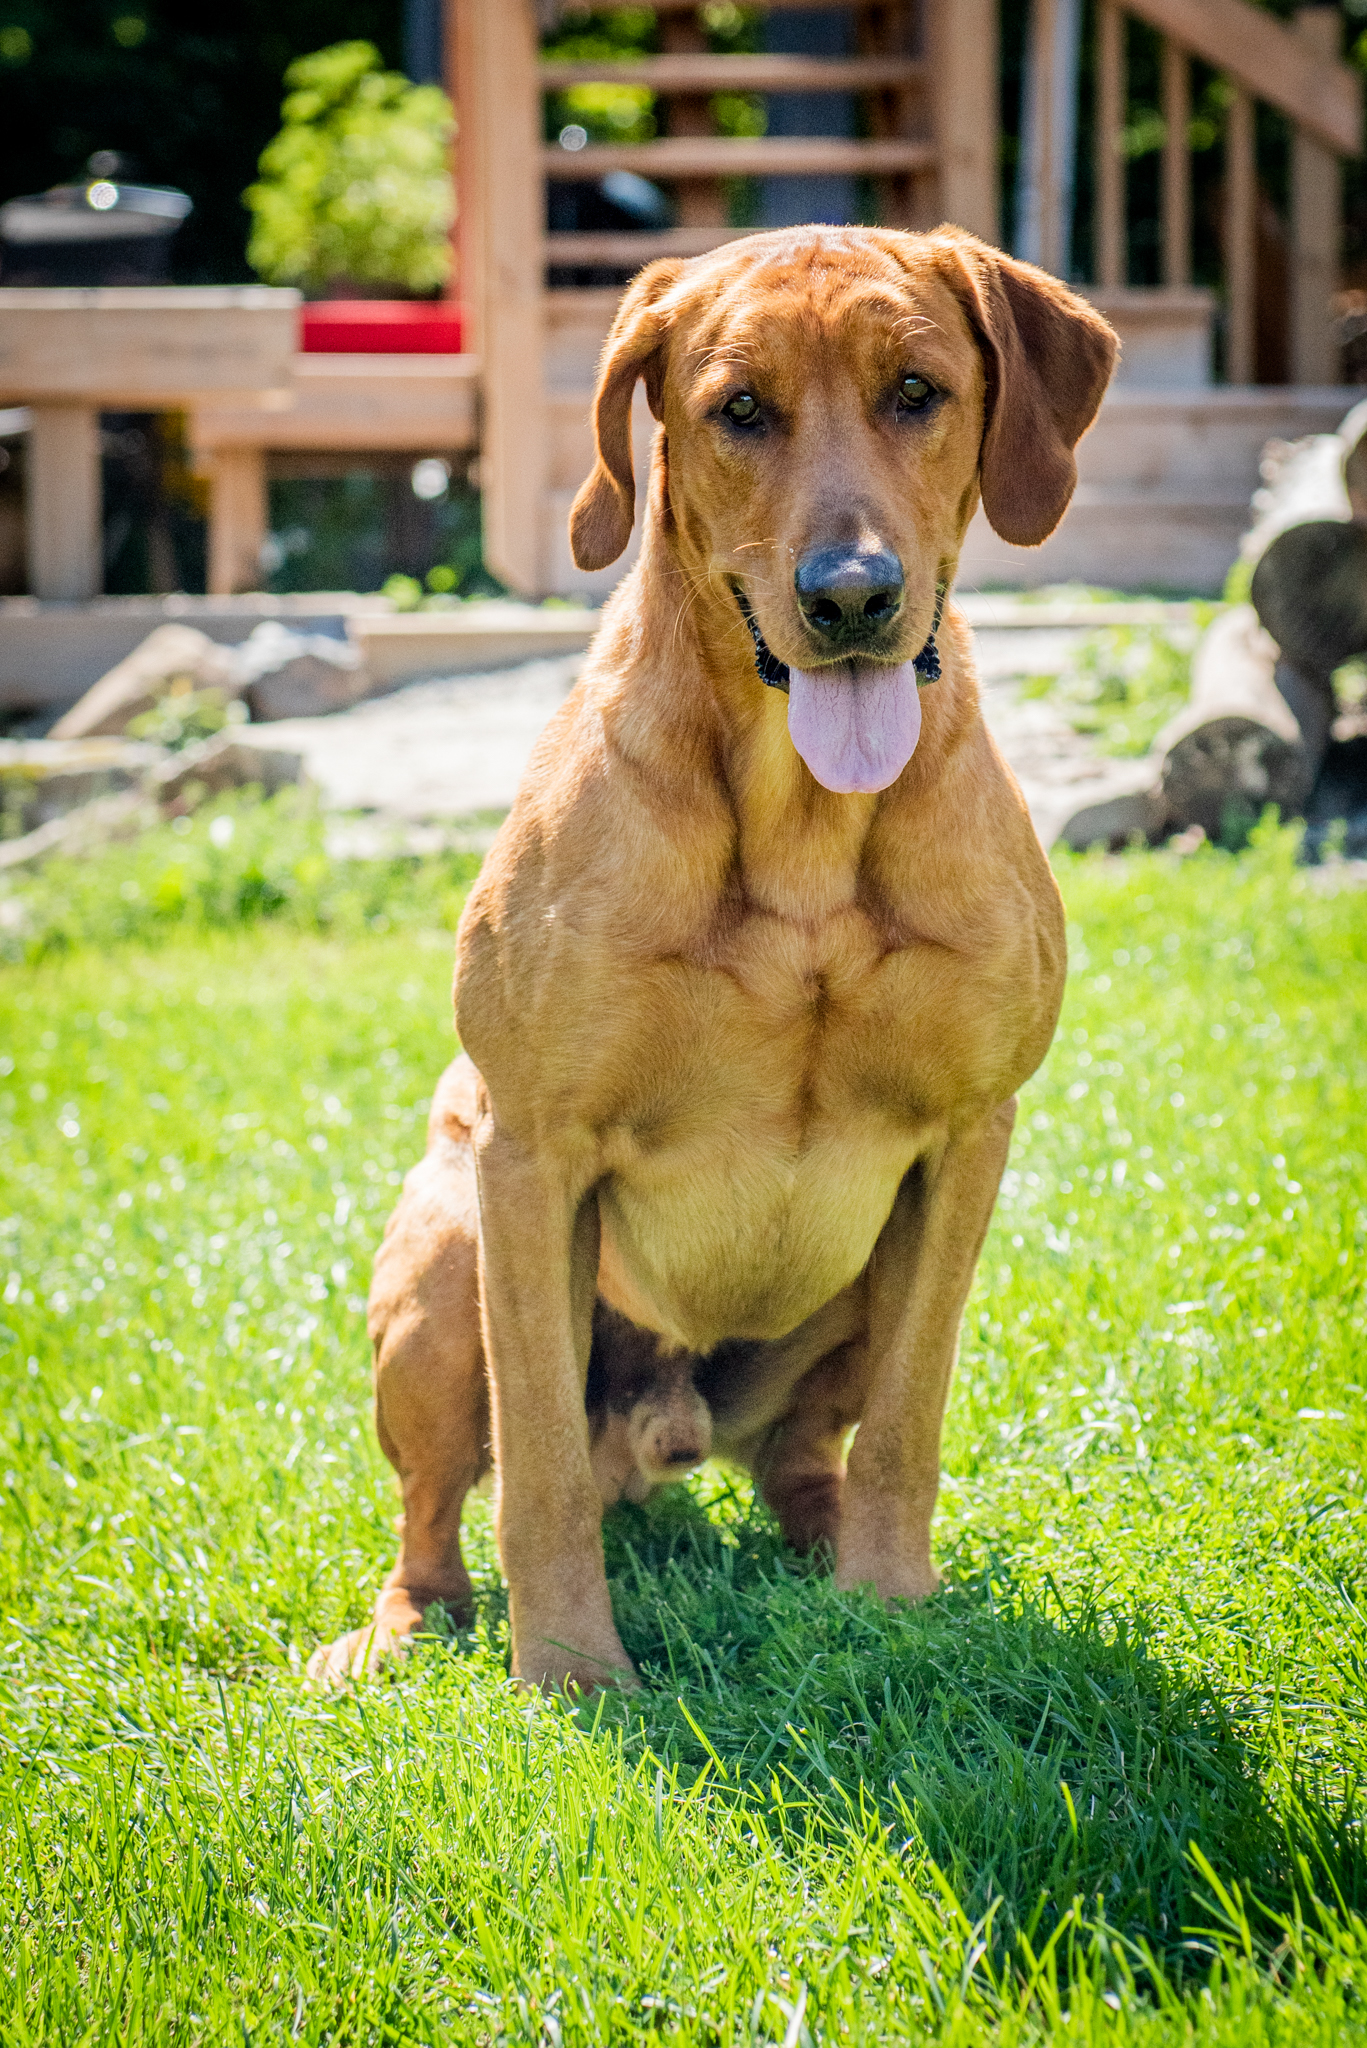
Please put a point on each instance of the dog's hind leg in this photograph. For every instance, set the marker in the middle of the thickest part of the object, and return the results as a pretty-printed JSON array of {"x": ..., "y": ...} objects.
[
  {"x": 799, "y": 1462},
  {"x": 431, "y": 1392}
]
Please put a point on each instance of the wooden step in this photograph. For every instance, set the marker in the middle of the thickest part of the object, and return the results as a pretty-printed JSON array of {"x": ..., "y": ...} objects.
[
  {"x": 725, "y": 156},
  {"x": 629, "y": 249},
  {"x": 691, "y": 73}
]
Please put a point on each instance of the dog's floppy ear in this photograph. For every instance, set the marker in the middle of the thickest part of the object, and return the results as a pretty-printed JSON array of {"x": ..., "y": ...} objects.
[
  {"x": 602, "y": 514},
  {"x": 1048, "y": 357}
]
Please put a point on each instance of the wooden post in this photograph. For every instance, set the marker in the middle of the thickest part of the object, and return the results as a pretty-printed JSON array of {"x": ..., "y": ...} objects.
[
  {"x": 450, "y": 57},
  {"x": 1241, "y": 201},
  {"x": 701, "y": 201},
  {"x": 238, "y": 519},
  {"x": 1176, "y": 201},
  {"x": 64, "y": 498},
  {"x": 1111, "y": 265},
  {"x": 497, "y": 59},
  {"x": 962, "y": 45},
  {"x": 461, "y": 42},
  {"x": 1316, "y": 212},
  {"x": 1049, "y": 134}
]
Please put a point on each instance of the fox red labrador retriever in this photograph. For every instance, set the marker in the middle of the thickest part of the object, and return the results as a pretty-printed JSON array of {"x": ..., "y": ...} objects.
[{"x": 760, "y": 957}]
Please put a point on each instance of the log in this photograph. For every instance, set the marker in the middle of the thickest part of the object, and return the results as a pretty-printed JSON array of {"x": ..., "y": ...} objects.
[
  {"x": 1257, "y": 729},
  {"x": 1238, "y": 745}
]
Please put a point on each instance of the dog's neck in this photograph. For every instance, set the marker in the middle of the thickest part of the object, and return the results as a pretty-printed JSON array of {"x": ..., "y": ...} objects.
[{"x": 693, "y": 708}]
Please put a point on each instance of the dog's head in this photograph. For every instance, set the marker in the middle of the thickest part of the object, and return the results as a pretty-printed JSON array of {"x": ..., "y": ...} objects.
[{"x": 835, "y": 401}]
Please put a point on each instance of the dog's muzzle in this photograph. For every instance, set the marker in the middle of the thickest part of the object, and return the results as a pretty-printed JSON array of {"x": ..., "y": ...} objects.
[{"x": 775, "y": 672}]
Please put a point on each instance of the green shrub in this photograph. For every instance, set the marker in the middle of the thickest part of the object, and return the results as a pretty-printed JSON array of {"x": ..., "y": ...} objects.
[
  {"x": 1123, "y": 684},
  {"x": 357, "y": 184}
]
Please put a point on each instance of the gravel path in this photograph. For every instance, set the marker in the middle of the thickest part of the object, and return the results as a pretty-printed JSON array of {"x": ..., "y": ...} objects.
[{"x": 454, "y": 750}]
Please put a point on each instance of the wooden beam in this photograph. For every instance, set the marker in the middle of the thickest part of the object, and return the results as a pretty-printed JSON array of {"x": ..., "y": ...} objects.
[
  {"x": 1176, "y": 192},
  {"x": 238, "y": 520},
  {"x": 629, "y": 249},
  {"x": 1241, "y": 245},
  {"x": 422, "y": 405},
  {"x": 1267, "y": 60},
  {"x": 962, "y": 39},
  {"x": 726, "y": 156},
  {"x": 499, "y": 56},
  {"x": 701, "y": 71},
  {"x": 63, "y": 503},
  {"x": 1111, "y": 255},
  {"x": 146, "y": 348},
  {"x": 1316, "y": 227}
]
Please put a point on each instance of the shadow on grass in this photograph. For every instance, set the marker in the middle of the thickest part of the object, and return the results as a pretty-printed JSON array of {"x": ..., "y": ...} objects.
[{"x": 1037, "y": 1755}]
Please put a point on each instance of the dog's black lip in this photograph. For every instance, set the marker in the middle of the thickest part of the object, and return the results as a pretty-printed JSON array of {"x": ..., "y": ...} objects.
[{"x": 776, "y": 673}]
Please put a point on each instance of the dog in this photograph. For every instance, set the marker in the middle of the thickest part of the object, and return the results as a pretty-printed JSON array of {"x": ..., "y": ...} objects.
[{"x": 767, "y": 944}]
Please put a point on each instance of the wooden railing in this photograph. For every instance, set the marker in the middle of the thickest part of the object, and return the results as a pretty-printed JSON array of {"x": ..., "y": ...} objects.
[{"x": 1294, "y": 69}]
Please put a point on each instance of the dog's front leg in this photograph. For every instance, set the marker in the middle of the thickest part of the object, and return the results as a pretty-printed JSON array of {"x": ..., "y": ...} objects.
[
  {"x": 921, "y": 1272},
  {"x": 538, "y": 1277}
]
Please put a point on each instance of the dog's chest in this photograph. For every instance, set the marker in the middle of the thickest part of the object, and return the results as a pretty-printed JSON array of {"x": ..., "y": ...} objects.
[{"x": 793, "y": 1075}]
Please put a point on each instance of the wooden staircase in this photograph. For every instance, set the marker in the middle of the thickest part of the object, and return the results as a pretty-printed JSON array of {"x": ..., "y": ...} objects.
[
  {"x": 925, "y": 79},
  {"x": 922, "y": 156}
]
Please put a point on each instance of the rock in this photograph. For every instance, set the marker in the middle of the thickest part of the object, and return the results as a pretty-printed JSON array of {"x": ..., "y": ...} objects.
[
  {"x": 168, "y": 655},
  {"x": 1239, "y": 744},
  {"x": 229, "y": 761},
  {"x": 285, "y": 674},
  {"x": 41, "y": 780}
]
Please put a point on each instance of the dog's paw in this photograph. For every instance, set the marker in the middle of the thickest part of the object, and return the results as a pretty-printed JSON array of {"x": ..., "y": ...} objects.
[
  {"x": 541, "y": 1662},
  {"x": 892, "y": 1580},
  {"x": 359, "y": 1654}
]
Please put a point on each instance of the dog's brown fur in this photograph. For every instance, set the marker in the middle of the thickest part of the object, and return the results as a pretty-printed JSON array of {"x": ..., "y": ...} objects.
[{"x": 747, "y": 1050}]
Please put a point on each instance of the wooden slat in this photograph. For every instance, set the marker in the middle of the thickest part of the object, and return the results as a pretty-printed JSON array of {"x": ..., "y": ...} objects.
[
  {"x": 1241, "y": 248},
  {"x": 1111, "y": 263},
  {"x": 725, "y": 156},
  {"x": 963, "y": 42},
  {"x": 703, "y": 72},
  {"x": 1316, "y": 228},
  {"x": 628, "y": 251},
  {"x": 1268, "y": 61},
  {"x": 1176, "y": 182}
]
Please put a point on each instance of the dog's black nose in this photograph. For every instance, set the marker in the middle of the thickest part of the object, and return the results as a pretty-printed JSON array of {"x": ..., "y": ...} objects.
[{"x": 848, "y": 595}]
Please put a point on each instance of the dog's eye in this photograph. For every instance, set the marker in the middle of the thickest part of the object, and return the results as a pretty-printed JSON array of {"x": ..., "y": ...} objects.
[
  {"x": 743, "y": 409},
  {"x": 914, "y": 394}
]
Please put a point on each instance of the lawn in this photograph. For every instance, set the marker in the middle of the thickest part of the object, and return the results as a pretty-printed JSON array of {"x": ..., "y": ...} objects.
[{"x": 1107, "y": 1786}]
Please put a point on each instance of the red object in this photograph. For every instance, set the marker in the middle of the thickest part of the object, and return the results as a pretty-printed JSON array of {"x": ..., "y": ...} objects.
[{"x": 382, "y": 327}]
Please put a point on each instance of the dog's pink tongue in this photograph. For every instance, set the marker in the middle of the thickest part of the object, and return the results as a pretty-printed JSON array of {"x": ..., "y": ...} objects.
[{"x": 855, "y": 726}]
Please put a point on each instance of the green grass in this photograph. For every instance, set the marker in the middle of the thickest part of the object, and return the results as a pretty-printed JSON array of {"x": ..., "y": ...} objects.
[{"x": 1108, "y": 1787}]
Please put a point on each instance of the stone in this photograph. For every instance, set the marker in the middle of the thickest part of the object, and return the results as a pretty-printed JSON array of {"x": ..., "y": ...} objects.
[{"x": 284, "y": 674}]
